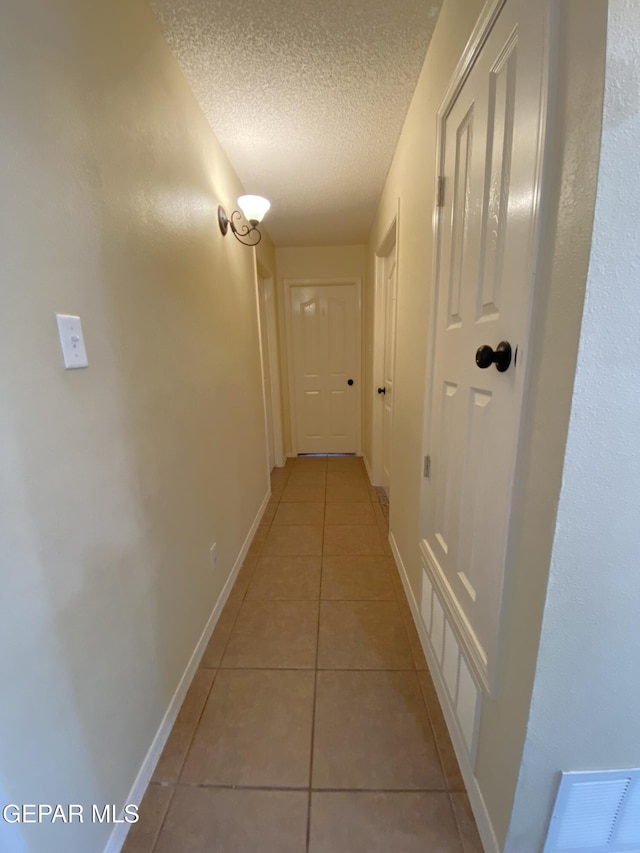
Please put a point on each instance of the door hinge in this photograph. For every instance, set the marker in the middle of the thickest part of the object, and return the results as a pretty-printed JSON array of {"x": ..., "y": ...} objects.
[
  {"x": 427, "y": 466},
  {"x": 440, "y": 192}
]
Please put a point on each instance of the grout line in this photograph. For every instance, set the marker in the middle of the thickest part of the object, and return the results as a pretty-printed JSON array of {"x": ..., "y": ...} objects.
[
  {"x": 315, "y": 681},
  {"x": 302, "y": 790}
]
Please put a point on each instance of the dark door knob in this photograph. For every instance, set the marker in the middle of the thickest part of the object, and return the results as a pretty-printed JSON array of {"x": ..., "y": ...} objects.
[
  {"x": 349, "y": 381},
  {"x": 382, "y": 390},
  {"x": 501, "y": 357}
]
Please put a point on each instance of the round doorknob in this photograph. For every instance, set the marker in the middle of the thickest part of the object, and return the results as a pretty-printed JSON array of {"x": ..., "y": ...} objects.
[
  {"x": 382, "y": 390},
  {"x": 501, "y": 356},
  {"x": 349, "y": 381}
]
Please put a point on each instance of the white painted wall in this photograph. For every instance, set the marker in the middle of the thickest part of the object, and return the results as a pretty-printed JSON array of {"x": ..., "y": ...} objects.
[
  {"x": 116, "y": 479},
  {"x": 584, "y": 712}
]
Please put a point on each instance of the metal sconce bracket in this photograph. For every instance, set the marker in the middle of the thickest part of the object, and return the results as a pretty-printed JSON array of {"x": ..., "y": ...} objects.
[{"x": 239, "y": 232}]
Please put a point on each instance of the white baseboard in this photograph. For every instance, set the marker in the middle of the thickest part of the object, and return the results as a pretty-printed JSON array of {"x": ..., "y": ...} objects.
[
  {"x": 120, "y": 830},
  {"x": 478, "y": 805}
]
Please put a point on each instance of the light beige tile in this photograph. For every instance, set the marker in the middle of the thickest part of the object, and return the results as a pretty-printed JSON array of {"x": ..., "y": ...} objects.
[
  {"x": 255, "y": 731},
  {"x": 244, "y": 578},
  {"x": 342, "y": 540},
  {"x": 277, "y": 490},
  {"x": 286, "y": 579},
  {"x": 293, "y": 540},
  {"x": 360, "y": 822},
  {"x": 381, "y": 519},
  {"x": 270, "y": 511},
  {"x": 397, "y": 581},
  {"x": 466, "y": 823},
  {"x": 346, "y": 465},
  {"x": 372, "y": 731},
  {"x": 153, "y": 808},
  {"x": 412, "y": 634},
  {"x": 310, "y": 463},
  {"x": 448, "y": 758},
  {"x": 175, "y": 750},
  {"x": 308, "y": 478},
  {"x": 274, "y": 634},
  {"x": 214, "y": 820},
  {"x": 362, "y": 635},
  {"x": 300, "y": 513},
  {"x": 257, "y": 544},
  {"x": 346, "y": 487},
  {"x": 279, "y": 476},
  {"x": 308, "y": 494},
  {"x": 356, "y": 579},
  {"x": 350, "y": 512},
  {"x": 221, "y": 633}
]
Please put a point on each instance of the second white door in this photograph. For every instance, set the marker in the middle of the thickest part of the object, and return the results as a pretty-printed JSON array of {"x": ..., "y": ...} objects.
[{"x": 325, "y": 331}]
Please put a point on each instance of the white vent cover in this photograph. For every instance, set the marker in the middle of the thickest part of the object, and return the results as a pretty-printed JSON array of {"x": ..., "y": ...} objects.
[{"x": 596, "y": 813}]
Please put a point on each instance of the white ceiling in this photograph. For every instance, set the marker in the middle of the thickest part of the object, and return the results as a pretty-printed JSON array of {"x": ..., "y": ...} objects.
[{"x": 307, "y": 98}]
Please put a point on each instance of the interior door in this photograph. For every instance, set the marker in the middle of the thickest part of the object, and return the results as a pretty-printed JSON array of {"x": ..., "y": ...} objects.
[
  {"x": 325, "y": 325},
  {"x": 490, "y": 140},
  {"x": 390, "y": 298},
  {"x": 266, "y": 369}
]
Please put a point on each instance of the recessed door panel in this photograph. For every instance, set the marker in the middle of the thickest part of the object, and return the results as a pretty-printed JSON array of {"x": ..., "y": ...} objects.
[{"x": 325, "y": 329}]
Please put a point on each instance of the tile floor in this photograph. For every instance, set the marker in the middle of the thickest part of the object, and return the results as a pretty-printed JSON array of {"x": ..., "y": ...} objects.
[{"x": 312, "y": 723}]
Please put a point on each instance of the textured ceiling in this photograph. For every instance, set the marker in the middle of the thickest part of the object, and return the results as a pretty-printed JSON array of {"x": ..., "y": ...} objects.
[{"x": 307, "y": 98}]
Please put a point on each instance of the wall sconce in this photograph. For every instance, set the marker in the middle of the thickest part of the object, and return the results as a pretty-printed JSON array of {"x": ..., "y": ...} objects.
[{"x": 254, "y": 208}]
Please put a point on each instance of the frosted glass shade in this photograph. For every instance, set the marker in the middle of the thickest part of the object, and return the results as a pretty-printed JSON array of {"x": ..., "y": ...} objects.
[{"x": 254, "y": 207}]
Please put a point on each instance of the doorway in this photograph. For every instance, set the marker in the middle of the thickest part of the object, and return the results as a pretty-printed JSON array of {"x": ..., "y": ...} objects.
[
  {"x": 385, "y": 355},
  {"x": 270, "y": 368},
  {"x": 323, "y": 325}
]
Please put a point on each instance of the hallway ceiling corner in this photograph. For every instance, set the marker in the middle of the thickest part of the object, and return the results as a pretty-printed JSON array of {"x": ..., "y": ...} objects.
[{"x": 307, "y": 98}]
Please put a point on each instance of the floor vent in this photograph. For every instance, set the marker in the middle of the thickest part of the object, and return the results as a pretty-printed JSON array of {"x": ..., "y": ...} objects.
[{"x": 596, "y": 813}]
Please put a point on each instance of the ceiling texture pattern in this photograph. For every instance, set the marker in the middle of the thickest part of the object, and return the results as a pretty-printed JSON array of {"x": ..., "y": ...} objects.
[{"x": 307, "y": 98}]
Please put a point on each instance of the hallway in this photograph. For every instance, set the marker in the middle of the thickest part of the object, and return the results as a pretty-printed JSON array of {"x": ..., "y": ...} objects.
[{"x": 312, "y": 723}]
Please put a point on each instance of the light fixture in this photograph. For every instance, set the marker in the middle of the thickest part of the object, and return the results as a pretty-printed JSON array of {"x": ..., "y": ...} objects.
[{"x": 254, "y": 208}]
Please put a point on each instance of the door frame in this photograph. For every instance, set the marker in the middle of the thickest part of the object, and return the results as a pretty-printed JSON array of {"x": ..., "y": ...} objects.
[
  {"x": 290, "y": 283},
  {"x": 379, "y": 318},
  {"x": 485, "y": 671},
  {"x": 268, "y": 339}
]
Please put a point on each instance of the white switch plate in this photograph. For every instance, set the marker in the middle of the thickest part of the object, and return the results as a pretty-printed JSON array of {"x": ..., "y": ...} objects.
[
  {"x": 72, "y": 341},
  {"x": 213, "y": 554}
]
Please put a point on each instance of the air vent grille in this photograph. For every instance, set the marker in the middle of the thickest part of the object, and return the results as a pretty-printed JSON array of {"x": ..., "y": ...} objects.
[{"x": 596, "y": 813}]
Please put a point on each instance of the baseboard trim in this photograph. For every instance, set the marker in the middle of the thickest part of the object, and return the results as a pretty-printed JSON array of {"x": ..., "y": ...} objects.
[
  {"x": 478, "y": 805},
  {"x": 120, "y": 830}
]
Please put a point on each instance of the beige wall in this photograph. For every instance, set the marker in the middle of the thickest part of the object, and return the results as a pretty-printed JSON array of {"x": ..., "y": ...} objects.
[
  {"x": 115, "y": 479},
  {"x": 318, "y": 263},
  {"x": 567, "y": 218}
]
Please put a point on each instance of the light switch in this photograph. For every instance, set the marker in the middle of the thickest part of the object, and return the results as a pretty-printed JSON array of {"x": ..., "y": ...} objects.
[{"x": 72, "y": 341}]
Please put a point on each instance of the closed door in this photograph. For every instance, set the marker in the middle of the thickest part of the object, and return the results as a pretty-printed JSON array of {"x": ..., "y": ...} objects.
[
  {"x": 387, "y": 388},
  {"x": 490, "y": 143},
  {"x": 266, "y": 370},
  {"x": 325, "y": 327}
]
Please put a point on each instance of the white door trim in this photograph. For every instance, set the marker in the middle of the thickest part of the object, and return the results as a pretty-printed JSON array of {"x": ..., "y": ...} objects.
[
  {"x": 289, "y": 283},
  {"x": 269, "y": 339},
  {"x": 390, "y": 238},
  {"x": 485, "y": 671}
]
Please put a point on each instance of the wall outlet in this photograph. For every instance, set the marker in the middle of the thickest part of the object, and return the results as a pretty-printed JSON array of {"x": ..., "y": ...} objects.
[{"x": 213, "y": 555}]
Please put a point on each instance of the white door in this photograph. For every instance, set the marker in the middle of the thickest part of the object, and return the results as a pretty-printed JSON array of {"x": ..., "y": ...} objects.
[
  {"x": 386, "y": 391},
  {"x": 325, "y": 328},
  {"x": 490, "y": 138}
]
